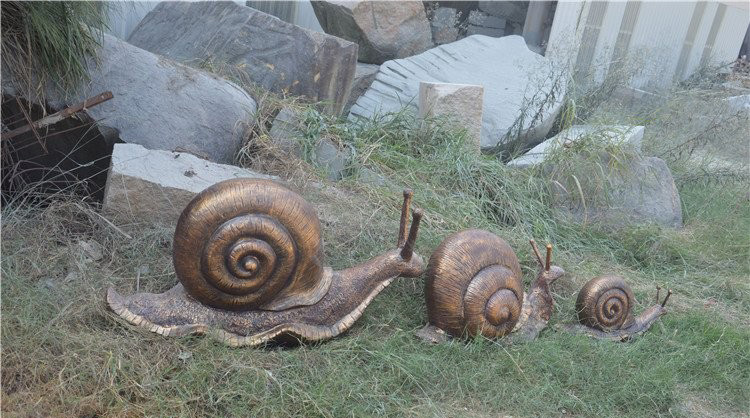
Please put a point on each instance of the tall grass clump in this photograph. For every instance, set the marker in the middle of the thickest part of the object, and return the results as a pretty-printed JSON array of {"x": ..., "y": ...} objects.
[{"x": 49, "y": 42}]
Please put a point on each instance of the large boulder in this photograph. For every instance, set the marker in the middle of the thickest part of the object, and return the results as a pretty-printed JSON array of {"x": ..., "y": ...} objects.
[
  {"x": 522, "y": 90},
  {"x": 384, "y": 30},
  {"x": 161, "y": 104},
  {"x": 156, "y": 185},
  {"x": 276, "y": 55},
  {"x": 639, "y": 190}
]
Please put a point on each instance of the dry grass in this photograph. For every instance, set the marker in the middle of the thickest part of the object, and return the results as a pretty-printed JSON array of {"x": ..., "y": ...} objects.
[{"x": 65, "y": 354}]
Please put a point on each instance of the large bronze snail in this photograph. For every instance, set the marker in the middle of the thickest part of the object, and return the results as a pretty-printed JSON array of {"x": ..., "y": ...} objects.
[
  {"x": 474, "y": 287},
  {"x": 248, "y": 255}
]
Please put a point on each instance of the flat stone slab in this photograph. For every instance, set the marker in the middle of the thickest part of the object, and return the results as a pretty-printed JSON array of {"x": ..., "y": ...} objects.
[
  {"x": 276, "y": 55},
  {"x": 156, "y": 185},
  {"x": 516, "y": 82},
  {"x": 618, "y": 134}
]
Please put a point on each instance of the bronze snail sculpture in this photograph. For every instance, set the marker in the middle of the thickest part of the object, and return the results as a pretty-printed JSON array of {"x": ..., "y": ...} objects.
[
  {"x": 474, "y": 287},
  {"x": 249, "y": 258},
  {"x": 605, "y": 310}
]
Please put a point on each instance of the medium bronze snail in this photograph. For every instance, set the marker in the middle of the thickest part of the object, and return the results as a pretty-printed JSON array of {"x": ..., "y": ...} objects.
[
  {"x": 248, "y": 255},
  {"x": 474, "y": 287},
  {"x": 605, "y": 310}
]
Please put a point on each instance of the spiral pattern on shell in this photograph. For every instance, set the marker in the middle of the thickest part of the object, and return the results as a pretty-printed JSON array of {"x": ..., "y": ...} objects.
[
  {"x": 605, "y": 303},
  {"x": 473, "y": 285},
  {"x": 247, "y": 244}
]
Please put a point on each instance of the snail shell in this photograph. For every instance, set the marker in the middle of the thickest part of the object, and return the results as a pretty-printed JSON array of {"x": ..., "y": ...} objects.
[
  {"x": 250, "y": 244},
  {"x": 474, "y": 285},
  {"x": 605, "y": 303}
]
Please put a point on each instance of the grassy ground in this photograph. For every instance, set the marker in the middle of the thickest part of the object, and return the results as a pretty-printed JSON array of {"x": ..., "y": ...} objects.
[{"x": 65, "y": 354}]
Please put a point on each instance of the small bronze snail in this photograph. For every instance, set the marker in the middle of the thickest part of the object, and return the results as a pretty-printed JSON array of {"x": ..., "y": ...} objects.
[
  {"x": 248, "y": 255},
  {"x": 605, "y": 310},
  {"x": 474, "y": 287}
]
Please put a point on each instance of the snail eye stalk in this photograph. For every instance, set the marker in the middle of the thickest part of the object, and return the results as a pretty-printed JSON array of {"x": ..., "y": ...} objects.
[
  {"x": 669, "y": 293},
  {"x": 537, "y": 253},
  {"x": 408, "y": 193},
  {"x": 549, "y": 257},
  {"x": 408, "y": 249}
]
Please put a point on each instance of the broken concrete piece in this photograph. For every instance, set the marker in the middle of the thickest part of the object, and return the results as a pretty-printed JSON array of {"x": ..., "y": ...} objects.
[
  {"x": 619, "y": 134},
  {"x": 384, "y": 30},
  {"x": 276, "y": 55},
  {"x": 522, "y": 90},
  {"x": 461, "y": 104},
  {"x": 151, "y": 185}
]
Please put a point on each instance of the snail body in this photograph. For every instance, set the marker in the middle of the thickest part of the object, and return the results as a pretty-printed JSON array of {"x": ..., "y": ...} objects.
[
  {"x": 605, "y": 310},
  {"x": 248, "y": 255},
  {"x": 474, "y": 287}
]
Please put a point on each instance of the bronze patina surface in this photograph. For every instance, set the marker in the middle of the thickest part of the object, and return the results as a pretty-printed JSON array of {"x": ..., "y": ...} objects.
[
  {"x": 605, "y": 310},
  {"x": 249, "y": 258},
  {"x": 474, "y": 287}
]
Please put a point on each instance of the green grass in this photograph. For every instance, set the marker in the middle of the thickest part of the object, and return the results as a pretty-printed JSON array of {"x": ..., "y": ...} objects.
[
  {"x": 65, "y": 354},
  {"x": 50, "y": 42}
]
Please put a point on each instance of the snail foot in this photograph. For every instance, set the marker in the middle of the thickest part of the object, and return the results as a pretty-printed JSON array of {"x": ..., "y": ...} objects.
[
  {"x": 174, "y": 313},
  {"x": 640, "y": 325}
]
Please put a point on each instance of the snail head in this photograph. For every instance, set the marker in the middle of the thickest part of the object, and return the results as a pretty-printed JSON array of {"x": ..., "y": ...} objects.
[{"x": 548, "y": 272}]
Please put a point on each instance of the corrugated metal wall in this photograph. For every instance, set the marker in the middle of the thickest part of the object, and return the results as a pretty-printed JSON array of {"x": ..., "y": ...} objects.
[{"x": 669, "y": 40}]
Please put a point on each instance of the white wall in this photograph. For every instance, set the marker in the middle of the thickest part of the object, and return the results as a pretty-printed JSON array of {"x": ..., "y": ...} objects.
[{"x": 657, "y": 40}]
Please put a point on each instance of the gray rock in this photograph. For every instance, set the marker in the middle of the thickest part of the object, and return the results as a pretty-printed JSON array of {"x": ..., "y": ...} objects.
[
  {"x": 363, "y": 78},
  {"x": 161, "y": 104},
  {"x": 444, "y": 25},
  {"x": 483, "y": 24},
  {"x": 276, "y": 55},
  {"x": 481, "y": 30},
  {"x": 510, "y": 10},
  {"x": 157, "y": 185},
  {"x": 333, "y": 160},
  {"x": 478, "y": 18},
  {"x": 286, "y": 130},
  {"x": 516, "y": 81},
  {"x": 459, "y": 103},
  {"x": 641, "y": 192},
  {"x": 384, "y": 30},
  {"x": 630, "y": 135}
]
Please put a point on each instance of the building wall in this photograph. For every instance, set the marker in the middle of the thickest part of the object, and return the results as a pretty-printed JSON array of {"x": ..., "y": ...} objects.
[{"x": 668, "y": 40}]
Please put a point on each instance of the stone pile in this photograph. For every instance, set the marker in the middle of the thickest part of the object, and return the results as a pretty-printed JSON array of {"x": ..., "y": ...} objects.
[{"x": 522, "y": 90}]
